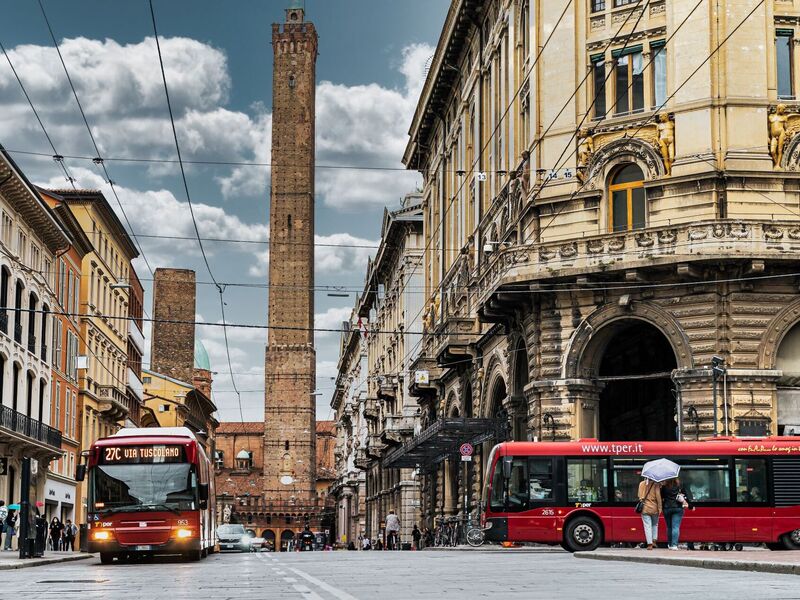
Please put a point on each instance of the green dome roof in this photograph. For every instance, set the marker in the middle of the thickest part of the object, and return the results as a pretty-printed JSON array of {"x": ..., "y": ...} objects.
[{"x": 201, "y": 356}]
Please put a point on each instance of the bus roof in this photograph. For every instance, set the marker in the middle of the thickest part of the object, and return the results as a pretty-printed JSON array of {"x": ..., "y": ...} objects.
[
  {"x": 713, "y": 446},
  {"x": 151, "y": 435}
]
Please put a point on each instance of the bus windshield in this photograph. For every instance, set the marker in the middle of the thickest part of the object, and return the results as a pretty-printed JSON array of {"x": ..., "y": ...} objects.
[
  {"x": 488, "y": 478},
  {"x": 144, "y": 487}
]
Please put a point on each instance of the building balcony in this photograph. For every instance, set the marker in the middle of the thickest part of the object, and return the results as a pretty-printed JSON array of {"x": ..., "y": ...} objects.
[
  {"x": 675, "y": 246},
  {"x": 34, "y": 437},
  {"x": 113, "y": 402},
  {"x": 396, "y": 428},
  {"x": 453, "y": 339},
  {"x": 371, "y": 410},
  {"x": 136, "y": 336},
  {"x": 362, "y": 461},
  {"x": 375, "y": 446},
  {"x": 135, "y": 385}
]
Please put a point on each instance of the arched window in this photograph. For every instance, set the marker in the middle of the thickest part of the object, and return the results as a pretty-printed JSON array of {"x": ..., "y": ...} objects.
[{"x": 627, "y": 199}]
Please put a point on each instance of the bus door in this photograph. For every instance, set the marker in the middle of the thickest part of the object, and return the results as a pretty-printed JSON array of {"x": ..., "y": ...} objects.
[
  {"x": 626, "y": 523},
  {"x": 531, "y": 500},
  {"x": 707, "y": 481},
  {"x": 753, "y": 520}
]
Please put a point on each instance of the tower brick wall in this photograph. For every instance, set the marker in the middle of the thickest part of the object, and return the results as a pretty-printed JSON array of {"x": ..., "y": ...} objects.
[
  {"x": 172, "y": 346},
  {"x": 289, "y": 407}
]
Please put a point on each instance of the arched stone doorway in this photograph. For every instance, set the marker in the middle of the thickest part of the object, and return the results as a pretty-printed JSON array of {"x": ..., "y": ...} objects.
[
  {"x": 286, "y": 536},
  {"x": 269, "y": 537},
  {"x": 632, "y": 361},
  {"x": 788, "y": 361},
  {"x": 493, "y": 410}
]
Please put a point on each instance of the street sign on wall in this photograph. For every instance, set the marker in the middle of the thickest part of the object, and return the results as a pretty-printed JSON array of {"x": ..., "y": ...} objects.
[{"x": 466, "y": 450}]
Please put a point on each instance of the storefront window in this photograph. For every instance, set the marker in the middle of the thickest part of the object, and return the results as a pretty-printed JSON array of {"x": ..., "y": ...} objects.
[
  {"x": 586, "y": 480},
  {"x": 751, "y": 480}
]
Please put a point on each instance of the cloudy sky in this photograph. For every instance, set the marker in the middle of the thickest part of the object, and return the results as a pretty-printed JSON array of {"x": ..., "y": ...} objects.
[{"x": 218, "y": 61}]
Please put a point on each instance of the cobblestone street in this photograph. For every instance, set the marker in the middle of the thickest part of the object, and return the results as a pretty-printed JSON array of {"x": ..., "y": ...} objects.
[{"x": 370, "y": 575}]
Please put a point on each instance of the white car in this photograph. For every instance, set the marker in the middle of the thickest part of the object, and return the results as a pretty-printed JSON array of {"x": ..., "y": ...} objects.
[{"x": 233, "y": 537}]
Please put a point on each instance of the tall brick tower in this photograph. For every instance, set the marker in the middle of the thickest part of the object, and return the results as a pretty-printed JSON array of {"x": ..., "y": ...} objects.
[
  {"x": 289, "y": 406},
  {"x": 172, "y": 343}
]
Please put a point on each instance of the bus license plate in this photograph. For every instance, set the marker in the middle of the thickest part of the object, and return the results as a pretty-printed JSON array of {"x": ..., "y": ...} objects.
[{"x": 143, "y": 548}]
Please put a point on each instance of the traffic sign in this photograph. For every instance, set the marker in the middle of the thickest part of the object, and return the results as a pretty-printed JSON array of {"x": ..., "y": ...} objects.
[
  {"x": 466, "y": 449},
  {"x": 466, "y": 458}
]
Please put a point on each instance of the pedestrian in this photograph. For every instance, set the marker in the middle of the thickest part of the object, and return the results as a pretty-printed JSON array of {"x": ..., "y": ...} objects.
[
  {"x": 56, "y": 530},
  {"x": 675, "y": 500},
  {"x": 365, "y": 543},
  {"x": 427, "y": 537},
  {"x": 392, "y": 531},
  {"x": 10, "y": 527},
  {"x": 70, "y": 533},
  {"x": 416, "y": 535},
  {"x": 650, "y": 497}
]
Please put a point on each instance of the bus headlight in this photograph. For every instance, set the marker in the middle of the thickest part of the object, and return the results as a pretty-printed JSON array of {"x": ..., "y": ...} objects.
[
  {"x": 184, "y": 533},
  {"x": 101, "y": 535}
]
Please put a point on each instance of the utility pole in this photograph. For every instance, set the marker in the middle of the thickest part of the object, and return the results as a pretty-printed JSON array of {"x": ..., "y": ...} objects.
[{"x": 717, "y": 370}]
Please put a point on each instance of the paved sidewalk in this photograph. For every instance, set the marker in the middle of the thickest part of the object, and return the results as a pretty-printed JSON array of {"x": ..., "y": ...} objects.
[
  {"x": 11, "y": 560},
  {"x": 764, "y": 561},
  {"x": 498, "y": 549}
]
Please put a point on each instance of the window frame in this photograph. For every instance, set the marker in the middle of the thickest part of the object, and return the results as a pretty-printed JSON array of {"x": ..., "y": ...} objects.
[
  {"x": 607, "y": 483},
  {"x": 785, "y": 33},
  {"x": 658, "y": 48},
  {"x": 628, "y": 188},
  {"x": 628, "y": 54},
  {"x": 598, "y": 62},
  {"x": 767, "y": 490}
]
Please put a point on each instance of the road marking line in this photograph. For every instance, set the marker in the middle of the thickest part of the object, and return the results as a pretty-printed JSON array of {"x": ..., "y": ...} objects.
[
  {"x": 307, "y": 592},
  {"x": 321, "y": 584},
  {"x": 290, "y": 580}
]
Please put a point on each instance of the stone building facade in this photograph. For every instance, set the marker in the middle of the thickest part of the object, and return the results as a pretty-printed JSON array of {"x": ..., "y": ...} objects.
[
  {"x": 610, "y": 203},
  {"x": 389, "y": 306},
  {"x": 290, "y": 362},
  {"x": 240, "y": 483}
]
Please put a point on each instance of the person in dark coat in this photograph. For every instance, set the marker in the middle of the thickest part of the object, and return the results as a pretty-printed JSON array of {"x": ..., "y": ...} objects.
[{"x": 56, "y": 532}]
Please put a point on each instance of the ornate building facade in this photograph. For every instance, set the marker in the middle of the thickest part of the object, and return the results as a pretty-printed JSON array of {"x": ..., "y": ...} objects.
[
  {"x": 375, "y": 423},
  {"x": 610, "y": 204}
]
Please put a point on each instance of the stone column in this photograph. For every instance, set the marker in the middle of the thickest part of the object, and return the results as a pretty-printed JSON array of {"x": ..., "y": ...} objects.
[{"x": 567, "y": 409}]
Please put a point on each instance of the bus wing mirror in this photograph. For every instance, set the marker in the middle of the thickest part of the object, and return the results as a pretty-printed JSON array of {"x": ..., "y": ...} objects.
[
  {"x": 507, "y": 467},
  {"x": 80, "y": 473},
  {"x": 202, "y": 492}
]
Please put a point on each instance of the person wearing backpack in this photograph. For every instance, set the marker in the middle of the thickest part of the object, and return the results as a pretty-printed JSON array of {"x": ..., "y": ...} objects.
[{"x": 650, "y": 505}]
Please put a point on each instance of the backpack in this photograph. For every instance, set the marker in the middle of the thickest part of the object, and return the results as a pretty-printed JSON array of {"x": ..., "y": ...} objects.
[{"x": 3, "y": 513}]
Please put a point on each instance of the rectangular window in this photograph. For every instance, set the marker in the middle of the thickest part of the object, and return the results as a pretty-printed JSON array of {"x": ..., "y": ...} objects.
[
  {"x": 751, "y": 480},
  {"x": 659, "y": 75},
  {"x": 599, "y": 81},
  {"x": 627, "y": 475},
  {"x": 783, "y": 58},
  {"x": 598, "y": 5},
  {"x": 587, "y": 480},
  {"x": 706, "y": 479},
  {"x": 48, "y": 272},
  {"x": 22, "y": 241},
  {"x": 62, "y": 280},
  {"x": 628, "y": 80},
  {"x": 73, "y": 426},
  {"x": 8, "y": 228},
  {"x": 76, "y": 293},
  {"x": 540, "y": 479},
  {"x": 67, "y": 412},
  {"x": 618, "y": 3},
  {"x": 57, "y": 343},
  {"x": 57, "y": 404}
]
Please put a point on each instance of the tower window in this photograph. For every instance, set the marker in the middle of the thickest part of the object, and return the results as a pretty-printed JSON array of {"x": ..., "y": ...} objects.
[
  {"x": 292, "y": 81},
  {"x": 286, "y": 445},
  {"x": 289, "y": 225}
]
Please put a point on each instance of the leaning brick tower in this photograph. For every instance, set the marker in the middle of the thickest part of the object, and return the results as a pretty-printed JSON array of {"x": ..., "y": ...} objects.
[{"x": 289, "y": 406}]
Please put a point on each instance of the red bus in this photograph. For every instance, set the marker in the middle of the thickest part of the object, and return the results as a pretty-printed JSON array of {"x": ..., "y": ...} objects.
[
  {"x": 582, "y": 494},
  {"x": 150, "y": 491}
]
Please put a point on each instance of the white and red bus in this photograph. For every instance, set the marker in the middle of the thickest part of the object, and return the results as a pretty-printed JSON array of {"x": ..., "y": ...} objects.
[
  {"x": 150, "y": 491},
  {"x": 582, "y": 494}
]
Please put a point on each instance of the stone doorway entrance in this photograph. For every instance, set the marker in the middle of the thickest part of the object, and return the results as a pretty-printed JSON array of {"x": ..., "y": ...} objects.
[{"x": 636, "y": 401}]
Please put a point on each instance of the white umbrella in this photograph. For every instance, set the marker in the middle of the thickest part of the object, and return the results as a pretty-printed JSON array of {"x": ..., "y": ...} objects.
[{"x": 660, "y": 470}]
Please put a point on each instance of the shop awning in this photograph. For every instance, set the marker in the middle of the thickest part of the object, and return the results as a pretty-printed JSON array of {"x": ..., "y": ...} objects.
[{"x": 443, "y": 439}]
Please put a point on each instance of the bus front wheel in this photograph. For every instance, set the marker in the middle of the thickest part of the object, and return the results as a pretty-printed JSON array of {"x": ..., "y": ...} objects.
[
  {"x": 583, "y": 534},
  {"x": 106, "y": 558}
]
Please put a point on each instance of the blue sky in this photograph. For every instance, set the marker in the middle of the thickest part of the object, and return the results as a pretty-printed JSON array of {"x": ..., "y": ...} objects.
[{"x": 219, "y": 65}]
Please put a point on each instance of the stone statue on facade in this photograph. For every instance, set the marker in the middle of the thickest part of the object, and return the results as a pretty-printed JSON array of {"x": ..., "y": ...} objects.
[
  {"x": 585, "y": 151},
  {"x": 777, "y": 134},
  {"x": 524, "y": 173},
  {"x": 666, "y": 140},
  {"x": 226, "y": 514}
]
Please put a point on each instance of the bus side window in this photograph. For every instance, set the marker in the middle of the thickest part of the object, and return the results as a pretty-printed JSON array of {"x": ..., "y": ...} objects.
[
  {"x": 587, "y": 480},
  {"x": 706, "y": 479},
  {"x": 540, "y": 479},
  {"x": 497, "y": 499},
  {"x": 751, "y": 480}
]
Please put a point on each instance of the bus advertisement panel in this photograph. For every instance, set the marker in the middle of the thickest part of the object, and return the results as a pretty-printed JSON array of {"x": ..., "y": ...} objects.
[
  {"x": 150, "y": 492},
  {"x": 582, "y": 494}
]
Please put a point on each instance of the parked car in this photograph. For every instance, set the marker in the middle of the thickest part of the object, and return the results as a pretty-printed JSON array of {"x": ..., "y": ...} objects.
[
  {"x": 233, "y": 537},
  {"x": 259, "y": 544}
]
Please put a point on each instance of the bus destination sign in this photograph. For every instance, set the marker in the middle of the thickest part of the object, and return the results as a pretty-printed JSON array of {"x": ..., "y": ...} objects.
[{"x": 112, "y": 455}]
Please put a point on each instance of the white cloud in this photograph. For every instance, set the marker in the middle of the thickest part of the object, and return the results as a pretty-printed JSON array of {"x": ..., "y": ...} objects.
[{"x": 331, "y": 319}]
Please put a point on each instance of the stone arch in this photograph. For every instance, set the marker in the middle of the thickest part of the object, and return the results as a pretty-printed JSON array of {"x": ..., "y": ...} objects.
[
  {"x": 791, "y": 154},
  {"x": 495, "y": 372},
  {"x": 520, "y": 368},
  {"x": 624, "y": 150},
  {"x": 777, "y": 329},
  {"x": 591, "y": 336},
  {"x": 467, "y": 403},
  {"x": 451, "y": 404}
]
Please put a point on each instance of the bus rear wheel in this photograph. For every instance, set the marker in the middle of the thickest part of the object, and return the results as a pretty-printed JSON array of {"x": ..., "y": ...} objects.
[
  {"x": 791, "y": 540},
  {"x": 583, "y": 534}
]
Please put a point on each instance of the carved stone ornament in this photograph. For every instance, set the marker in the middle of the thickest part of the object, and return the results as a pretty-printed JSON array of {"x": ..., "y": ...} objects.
[
  {"x": 616, "y": 244},
  {"x": 668, "y": 236},
  {"x": 783, "y": 125},
  {"x": 773, "y": 233},
  {"x": 595, "y": 247},
  {"x": 644, "y": 240},
  {"x": 568, "y": 250},
  {"x": 643, "y": 149}
]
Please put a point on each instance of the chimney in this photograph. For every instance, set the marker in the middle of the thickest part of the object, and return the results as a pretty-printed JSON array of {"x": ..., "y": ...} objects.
[{"x": 172, "y": 345}]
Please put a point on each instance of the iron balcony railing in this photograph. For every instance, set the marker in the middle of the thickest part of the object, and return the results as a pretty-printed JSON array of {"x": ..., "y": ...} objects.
[
  {"x": 18, "y": 332},
  {"x": 4, "y": 321},
  {"x": 44, "y": 352},
  {"x": 32, "y": 344},
  {"x": 17, "y": 422}
]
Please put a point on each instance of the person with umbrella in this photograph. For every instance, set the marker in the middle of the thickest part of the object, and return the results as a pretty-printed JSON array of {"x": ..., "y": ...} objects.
[
  {"x": 675, "y": 500},
  {"x": 654, "y": 473}
]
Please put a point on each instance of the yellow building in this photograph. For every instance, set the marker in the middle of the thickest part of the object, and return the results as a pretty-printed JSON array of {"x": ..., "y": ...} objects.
[{"x": 104, "y": 401}]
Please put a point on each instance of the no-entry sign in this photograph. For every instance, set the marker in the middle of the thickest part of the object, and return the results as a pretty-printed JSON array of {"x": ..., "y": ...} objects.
[{"x": 466, "y": 449}]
